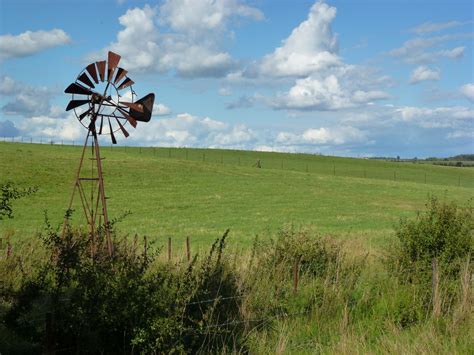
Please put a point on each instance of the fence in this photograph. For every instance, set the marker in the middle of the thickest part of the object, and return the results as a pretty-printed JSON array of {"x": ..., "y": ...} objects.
[{"x": 306, "y": 163}]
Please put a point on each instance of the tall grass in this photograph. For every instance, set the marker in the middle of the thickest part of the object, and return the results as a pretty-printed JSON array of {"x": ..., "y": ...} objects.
[{"x": 85, "y": 301}]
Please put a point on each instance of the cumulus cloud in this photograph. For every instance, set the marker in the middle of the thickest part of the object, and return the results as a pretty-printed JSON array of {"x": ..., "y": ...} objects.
[
  {"x": 467, "y": 91},
  {"x": 52, "y": 128},
  {"x": 314, "y": 93},
  {"x": 310, "y": 47},
  {"x": 322, "y": 80},
  {"x": 161, "y": 109},
  {"x": 197, "y": 17},
  {"x": 423, "y": 73},
  {"x": 323, "y": 136},
  {"x": 192, "y": 131},
  {"x": 29, "y": 43},
  {"x": 191, "y": 43},
  {"x": 438, "y": 117}
]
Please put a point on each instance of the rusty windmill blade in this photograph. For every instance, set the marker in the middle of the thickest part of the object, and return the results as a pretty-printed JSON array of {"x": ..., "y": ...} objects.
[
  {"x": 122, "y": 128},
  {"x": 126, "y": 82},
  {"x": 147, "y": 104},
  {"x": 101, "y": 124},
  {"x": 76, "y": 103},
  {"x": 120, "y": 74},
  {"x": 133, "y": 105},
  {"x": 129, "y": 118},
  {"x": 84, "y": 114},
  {"x": 112, "y": 60},
  {"x": 76, "y": 88},
  {"x": 92, "y": 72},
  {"x": 85, "y": 79},
  {"x": 101, "y": 68},
  {"x": 114, "y": 141}
]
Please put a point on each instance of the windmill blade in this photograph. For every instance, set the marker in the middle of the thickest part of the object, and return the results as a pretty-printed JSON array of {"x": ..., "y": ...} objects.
[
  {"x": 101, "y": 124},
  {"x": 147, "y": 103},
  {"x": 101, "y": 67},
  {"x": 136, "y": 106},
  {"x": 114, "y": 141},
  {"x": 120, "y": 74},
  {"x": 93, "y": 72},
  {"x": 126, "y": 82},
  {"x": 84, "y": 114},
  {"x": 85, "y": 79},
  {"x": 122, "y": 128},
  {"x": 129, "y": 118},
  {"x": 76, "y": 103},
  {"x": 113, "y": 60},
  {"x": 76, "y": 88}
]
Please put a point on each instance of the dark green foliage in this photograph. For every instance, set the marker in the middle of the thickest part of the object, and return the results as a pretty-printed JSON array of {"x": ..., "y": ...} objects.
[
  {"x": 121, "y": 304},
  {"x": 11, "y": 192},
  {"x": 443, "y": 231}
]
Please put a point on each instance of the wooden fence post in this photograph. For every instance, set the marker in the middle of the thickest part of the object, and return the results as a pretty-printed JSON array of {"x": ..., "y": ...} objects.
[
  {"x": 435, "y": 288},
  {"x": 145, "y": 246},
  {"x": 169, "y": 249},
  {"x": 188, "y": 249},
  {"x": 296, "y": 270}
]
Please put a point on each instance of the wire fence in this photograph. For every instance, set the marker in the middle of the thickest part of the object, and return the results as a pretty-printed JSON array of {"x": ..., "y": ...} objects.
[{"x": 417, "y": 171}]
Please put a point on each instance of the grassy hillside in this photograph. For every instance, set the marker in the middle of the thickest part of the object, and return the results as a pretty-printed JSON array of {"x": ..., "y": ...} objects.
[{"x": 200, "y": 193}]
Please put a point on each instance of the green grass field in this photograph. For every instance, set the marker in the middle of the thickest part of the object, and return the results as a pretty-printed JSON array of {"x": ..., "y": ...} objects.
[
  {"x": 201, "y": 192},
  {"x": 357, "y": 305}
]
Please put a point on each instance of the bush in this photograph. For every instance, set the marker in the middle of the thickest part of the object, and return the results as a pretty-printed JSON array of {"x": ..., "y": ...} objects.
[
  {"x": 443, "y": 231},
  {"x": 83, "y": 300}
]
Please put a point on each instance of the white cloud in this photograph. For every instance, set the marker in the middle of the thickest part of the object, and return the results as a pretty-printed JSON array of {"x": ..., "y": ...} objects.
[
  {"x": 460, "y": 135},
  {"x": 25, "y": 100},
  {"x": 28, "y": 43},
  {"x": 322, "y": 136},
  {"x": 53, "y": 128},
  {"x": 310, "y": 47},
  {"x": 322, "y": 80},
  {"x": 468, "y": 91},
  {"x": 454, "y": 53},
  {"x": 428, "y": 27},
  {"x": 416, "y": 50},
  {"x": 324, "y": 94},
  {"x": 161, "y": 110},
  {"x": 423, "y": 73},
  {"x": 225, "y": 91},
  {"x": 200, "y": 16},
  {"x": 438, "y": 117},
  {"x": 191, "y": 43}
]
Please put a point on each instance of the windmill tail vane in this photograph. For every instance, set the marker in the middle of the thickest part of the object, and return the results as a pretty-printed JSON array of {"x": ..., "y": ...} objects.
[{"x": 104, "y": 102}]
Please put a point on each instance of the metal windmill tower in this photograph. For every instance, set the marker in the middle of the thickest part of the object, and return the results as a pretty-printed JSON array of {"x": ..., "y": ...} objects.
[{"x": 103, "y": 101}]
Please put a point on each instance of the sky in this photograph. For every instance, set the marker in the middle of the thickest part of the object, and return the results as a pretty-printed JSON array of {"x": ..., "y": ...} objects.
[{"x": 349, "y": 78}]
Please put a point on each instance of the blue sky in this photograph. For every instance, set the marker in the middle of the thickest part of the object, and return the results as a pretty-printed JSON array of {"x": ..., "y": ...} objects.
[{"x": 350, "y": 78}]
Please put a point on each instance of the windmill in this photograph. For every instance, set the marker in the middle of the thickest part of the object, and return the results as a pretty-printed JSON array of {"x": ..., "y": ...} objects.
[{"x": 103, "y": 101}]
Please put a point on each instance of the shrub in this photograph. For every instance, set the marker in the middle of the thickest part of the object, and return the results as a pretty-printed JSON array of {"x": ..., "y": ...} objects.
[
  {"x": 82, "y": 300},
  {"x": 443, "y": 231}
]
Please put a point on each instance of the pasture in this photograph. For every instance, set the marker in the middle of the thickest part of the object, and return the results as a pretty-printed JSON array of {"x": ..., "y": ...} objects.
[{"x": 179, "y": 192}]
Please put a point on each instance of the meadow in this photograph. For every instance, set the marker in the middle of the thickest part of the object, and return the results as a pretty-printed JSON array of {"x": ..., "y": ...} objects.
[
  {"x": 173, "y": 192},
  {"x": 359, "y": 290}
]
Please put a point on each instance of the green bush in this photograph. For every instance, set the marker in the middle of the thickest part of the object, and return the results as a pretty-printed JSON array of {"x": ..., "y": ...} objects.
[
  {"x": 443, "y": 231},
  {"x": 85, "y": 301}
]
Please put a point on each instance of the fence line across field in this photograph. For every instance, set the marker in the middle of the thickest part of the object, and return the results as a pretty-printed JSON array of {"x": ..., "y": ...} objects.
[{"x": 303, "y": 165}]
